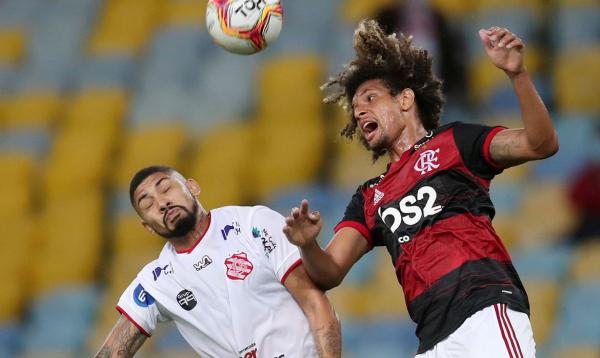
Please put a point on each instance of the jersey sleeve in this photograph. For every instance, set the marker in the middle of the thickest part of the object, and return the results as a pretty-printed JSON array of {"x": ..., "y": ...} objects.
[
  {"x": 354, "y": 217},
  {"x": 140, "y": 308},
  {"x": 267, "y": 228},
  {"x": 473, "y": 142}
]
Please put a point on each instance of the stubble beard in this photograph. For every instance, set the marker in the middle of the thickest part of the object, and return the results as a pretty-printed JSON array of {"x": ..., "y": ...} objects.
[{"x": 186, "y": 223}]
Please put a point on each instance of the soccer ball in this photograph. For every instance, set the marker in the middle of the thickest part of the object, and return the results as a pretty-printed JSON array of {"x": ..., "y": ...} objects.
[{"x": 244, "y": 26}]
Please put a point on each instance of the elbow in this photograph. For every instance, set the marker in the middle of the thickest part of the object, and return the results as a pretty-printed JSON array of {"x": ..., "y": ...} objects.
[
  {"x": 329, "y": 283},
  {"x": 548, "y": 148}
]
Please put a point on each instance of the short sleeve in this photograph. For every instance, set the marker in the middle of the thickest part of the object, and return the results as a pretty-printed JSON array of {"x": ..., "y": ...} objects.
[
  {"x": 267, "y": 228},
  {"x": 354, "y": 217},
  {"x": 140, "y": 308},
  {"x": 473, "y": 142}
]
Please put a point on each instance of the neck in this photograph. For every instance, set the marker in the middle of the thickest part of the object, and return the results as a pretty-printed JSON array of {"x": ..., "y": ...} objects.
[
  {"x": 409, "y": 135},
  {"x": 190, "y": 239}
]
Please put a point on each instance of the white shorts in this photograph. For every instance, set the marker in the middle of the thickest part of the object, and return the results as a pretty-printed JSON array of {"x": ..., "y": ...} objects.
[{"x": 493, "y": 332}]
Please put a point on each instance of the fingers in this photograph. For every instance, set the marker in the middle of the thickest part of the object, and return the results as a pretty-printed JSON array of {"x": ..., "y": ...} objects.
[
  {"x": 295, "y": 213},
  {"x": 517, "y": 43},
  {"x": 314, "y": 216},
  {"x": 304, "y": 207}
]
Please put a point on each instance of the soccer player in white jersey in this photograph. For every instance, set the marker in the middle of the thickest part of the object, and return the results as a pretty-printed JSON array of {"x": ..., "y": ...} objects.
[{"x": 228, "y": 278}]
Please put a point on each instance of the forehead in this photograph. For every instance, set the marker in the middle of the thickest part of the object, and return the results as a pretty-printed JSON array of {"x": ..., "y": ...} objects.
[
  {"x": 150, "y": 182},
  {"x": 372, "y": 84}
]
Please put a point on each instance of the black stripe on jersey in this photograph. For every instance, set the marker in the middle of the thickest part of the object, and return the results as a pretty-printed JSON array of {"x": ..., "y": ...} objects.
[{"x": 475, "y": 285}]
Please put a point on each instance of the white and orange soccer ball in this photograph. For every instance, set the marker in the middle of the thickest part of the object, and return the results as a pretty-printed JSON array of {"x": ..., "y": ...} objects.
[{"x": 244, "y": 26}]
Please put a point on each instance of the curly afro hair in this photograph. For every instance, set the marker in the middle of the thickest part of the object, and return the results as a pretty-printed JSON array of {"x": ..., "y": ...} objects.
[{"x": 398, "y": 64}]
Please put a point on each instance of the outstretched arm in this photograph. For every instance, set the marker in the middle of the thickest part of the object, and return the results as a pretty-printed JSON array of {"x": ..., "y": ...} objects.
[
  {"x": 327, "y": 268},
  {"x": 537, "y": 139},
  {"x": 321, "y": 316},
  {"x": 124, "y": 340}
]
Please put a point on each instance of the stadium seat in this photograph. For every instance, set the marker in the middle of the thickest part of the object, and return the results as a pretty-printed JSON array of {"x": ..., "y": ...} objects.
[
  {"x": 116, "y": 34},
  {"x": 149, "y": 146},
  {"x": 59, "y": 321},
  {"x": 17, "y": 12},
  {"x": 547, "y": 263},
  {"x": 575, "y": 89},
  {"x": 580, "y": 351},
  {"x": 543, "y": 299},
  {"x": 97, "y": 107},
  {"x": 17, "y": 193},
  {"x": 130, "y": 238},
  {"x": 356, "y": 10},
  {"x": 586, "y": 262},
  {"x": 115, "y": 71},
  {"x": 12, "y": 47},
  {"x": 390, "y": 337},
  {"x": 184, "y": 13},
  {"x": 575, "y": 26},
  {"x": 220, "y": 163},
  {"x": 33, "y": 109}
]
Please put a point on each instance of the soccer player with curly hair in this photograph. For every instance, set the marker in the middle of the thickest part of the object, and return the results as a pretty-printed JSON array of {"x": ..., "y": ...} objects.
[{"x": 431, "y": 208}]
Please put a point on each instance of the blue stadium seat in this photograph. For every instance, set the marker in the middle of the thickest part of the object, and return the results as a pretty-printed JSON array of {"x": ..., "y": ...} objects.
[
  {"x": 59, "y": 321},
  {"x": 10, "y": 339},
  {"x": 34, "y": 142},
  {"x": 17, "y": 12},
  {"x": 117, "y": 71},
  {"x": 52, "y": 76},
  {"x": 7, "y": 78},
  {"x": 506, "y": 196},
  {"x": 578, "y": 322},
  {"x": 169, "y": 339},
  {"x": 545, "y": 263},
  {"x": 379, "y": 338},
  {"x": 575, "y": 27},
  {"x": 572, "y": 132}
]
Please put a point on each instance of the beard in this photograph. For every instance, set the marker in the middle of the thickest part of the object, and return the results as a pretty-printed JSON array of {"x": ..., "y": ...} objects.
[
  {"x": 186, "y": 222},
  {"x": 378, "y": 148}
]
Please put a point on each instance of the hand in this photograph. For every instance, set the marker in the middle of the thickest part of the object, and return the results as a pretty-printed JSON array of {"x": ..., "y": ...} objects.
[
  {"x": 504, "y": 48},
  {"x": 302, "y": 227}
]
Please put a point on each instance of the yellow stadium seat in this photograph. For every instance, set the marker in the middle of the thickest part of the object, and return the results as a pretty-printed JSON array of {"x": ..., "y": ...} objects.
[
  {"x": 492, "y": 5},
  {"x": 577, "y": 89},
  {"x": 578, "y": 351},
  {"x": 543, "y": 299},
  {"x": 184, "y": 12},
  {"x": 385, "y": 295},
  {"x": 12, "y": 46},
  {"x": 118, "y": 34},
  {"x": 222, "y": 170},
  {"x": 79, "y": 159},
  {"x": 32, "y": 109},
  {"x": 290, "y": 85},
  {"x": 586, "y": 261},
  {"x": 545, "y": 214},
  {"x": 47, "y": 355},
  {"x": 453, "y": 8},
  {"x": 131, "y": 238},
  {"x": 69, "y": 241},
  {"x": 275, "y": 169},
  {"x": 356, "y": 10},
  {"x": 97, "y": 108},
  {"x": 349, "y": 301},
  {"x": 504, "y": 225},
  {"x": 15, "y": 255},
  {"x": 150, "y": 146},
  {"x": 485, "y": 77},
  {"x": 18, "y": 173}
]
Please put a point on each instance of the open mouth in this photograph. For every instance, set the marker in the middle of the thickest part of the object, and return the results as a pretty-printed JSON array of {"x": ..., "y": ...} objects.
[{"x": 368, "y": 127}]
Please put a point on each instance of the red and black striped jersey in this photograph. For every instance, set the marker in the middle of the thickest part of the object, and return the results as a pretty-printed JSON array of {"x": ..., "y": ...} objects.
[{"x": 432, "y": 211}]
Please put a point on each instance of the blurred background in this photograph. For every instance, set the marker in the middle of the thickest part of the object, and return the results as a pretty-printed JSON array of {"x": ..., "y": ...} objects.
[{"x": 93, "y": 90}]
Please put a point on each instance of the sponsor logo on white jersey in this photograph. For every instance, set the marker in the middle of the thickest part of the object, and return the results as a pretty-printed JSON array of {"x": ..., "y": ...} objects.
[
  {"x": 205, "y": 261},
  {"x": 186, "y": 300},
  {"x": 238, "y": 266}
]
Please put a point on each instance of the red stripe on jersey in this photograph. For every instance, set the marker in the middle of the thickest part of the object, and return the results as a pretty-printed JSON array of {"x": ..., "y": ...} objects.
[
  {"x": 187, "y": 251},
  {"x": 290, "y": 269},
  {"x": 122, "y": 311},
  {"x": 362, "y": 229},
  {"x": 448, "y": 244},
  {"x": 486, "y": 147}
]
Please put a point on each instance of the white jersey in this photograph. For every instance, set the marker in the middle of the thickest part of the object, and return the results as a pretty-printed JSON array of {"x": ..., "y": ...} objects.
[{"x": 226, "y": 294}]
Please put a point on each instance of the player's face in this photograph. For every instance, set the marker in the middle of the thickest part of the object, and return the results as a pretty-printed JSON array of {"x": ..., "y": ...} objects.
[
  {"x": 378, "y": 114},
  {"x": 166, "y": 204}
]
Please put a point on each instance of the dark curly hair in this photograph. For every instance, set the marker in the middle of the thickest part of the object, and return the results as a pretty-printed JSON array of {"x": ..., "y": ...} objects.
[{"x": 399, "y": 65}]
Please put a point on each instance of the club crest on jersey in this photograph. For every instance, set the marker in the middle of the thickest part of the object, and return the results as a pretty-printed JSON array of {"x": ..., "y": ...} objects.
[
  {"x": 205, "y": 261},
  {"x": 235, "y": 226},
  {"x": 238, "y": 266},
  {"x": 427, "y": 161}
]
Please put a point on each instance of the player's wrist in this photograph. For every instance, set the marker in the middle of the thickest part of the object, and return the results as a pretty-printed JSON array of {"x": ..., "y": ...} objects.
[{"x": 515, "y": 75}]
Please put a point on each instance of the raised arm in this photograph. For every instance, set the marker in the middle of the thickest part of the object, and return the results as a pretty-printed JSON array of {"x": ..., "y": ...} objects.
[
  {"x": 327, "y": 268},
  {"x": 124, "y": 340},
  {"x": 321, "y": 316},
  {"x": 537, "y": 139}
]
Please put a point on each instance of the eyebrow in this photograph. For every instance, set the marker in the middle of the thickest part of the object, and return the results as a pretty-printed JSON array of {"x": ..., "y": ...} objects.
[
  {"x": 358, "y": 94},
  {"x": 146, "y": 194}
]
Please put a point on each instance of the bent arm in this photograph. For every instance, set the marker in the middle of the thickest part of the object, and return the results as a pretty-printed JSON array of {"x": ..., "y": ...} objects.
[
  {"x": 538, "y": 138},
  {"x": 328, "y": 267},
  {"x": 321, "y": 316},
  {"x": 124, "y": 340}
]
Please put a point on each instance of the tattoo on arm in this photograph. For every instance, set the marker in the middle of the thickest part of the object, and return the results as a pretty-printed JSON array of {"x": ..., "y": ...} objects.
[
  {"x": 328, "y": 340},
  {"x": 123, "y": 341}
]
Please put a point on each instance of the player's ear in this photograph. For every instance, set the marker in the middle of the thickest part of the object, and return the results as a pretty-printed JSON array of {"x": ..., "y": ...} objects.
[
  {"x": 147, "y": 227},
  {"x": 193, "y": 186},
  {"x": 407, "y": 99}
]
